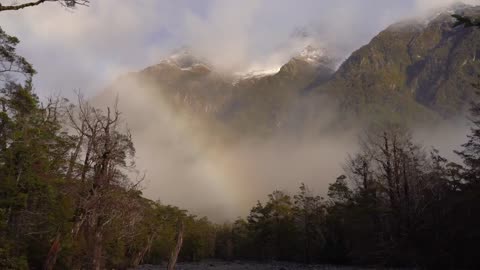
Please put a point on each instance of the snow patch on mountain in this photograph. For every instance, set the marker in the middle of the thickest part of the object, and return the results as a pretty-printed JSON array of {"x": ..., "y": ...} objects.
[
  {"x": 185, "y": 60},
  {"x": 311, "y": 53},
  {"x": 314, "y": 56},
  {"x": 255, "y": 73}
]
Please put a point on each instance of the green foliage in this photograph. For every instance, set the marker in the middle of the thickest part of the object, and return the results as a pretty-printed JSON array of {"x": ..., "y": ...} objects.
[
  {"x": 199, "y": 239},
  {"x": 409, "y": 72},
  {"x": 11, "y": 63},
  {"x": 30, "y": 173}
]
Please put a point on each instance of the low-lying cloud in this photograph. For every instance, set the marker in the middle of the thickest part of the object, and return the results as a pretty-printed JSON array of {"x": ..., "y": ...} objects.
[{"x": 186, "y": 167}]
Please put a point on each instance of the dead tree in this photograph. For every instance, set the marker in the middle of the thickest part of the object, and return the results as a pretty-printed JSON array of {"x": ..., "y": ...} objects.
[
  {"x": 99, "y": 161},
  {"x": 65, "y": 3},
  {"x": 178, "y": 246}
]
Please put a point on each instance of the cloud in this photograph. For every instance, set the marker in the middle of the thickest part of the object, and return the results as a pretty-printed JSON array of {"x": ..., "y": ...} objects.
[
  {"x": 422, "y": 6},
  {"x": 188, "y": 163},
  {"x": 85, "y": 48},
  {"x": 223, "y": 36},
  {"x": 88, "y": 47}
]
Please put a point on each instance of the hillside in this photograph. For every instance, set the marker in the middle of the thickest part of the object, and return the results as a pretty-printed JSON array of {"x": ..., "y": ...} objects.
[{"x": 412, "y": 69}]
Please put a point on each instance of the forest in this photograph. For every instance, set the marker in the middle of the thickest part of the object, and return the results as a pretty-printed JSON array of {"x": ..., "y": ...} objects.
[{"x": 71, "y": 197}]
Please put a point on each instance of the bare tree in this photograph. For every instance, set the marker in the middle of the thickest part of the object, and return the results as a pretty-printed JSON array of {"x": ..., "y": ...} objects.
[
  {"x": 391, "y": 168},
  {"x": 65, "y": 3},
  {"x": 178, "y": 246},
  {"x": 100, "y": 161}
]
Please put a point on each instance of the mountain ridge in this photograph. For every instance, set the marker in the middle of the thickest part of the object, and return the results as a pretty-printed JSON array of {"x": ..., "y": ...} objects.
[{"x": 414, "y": 71}]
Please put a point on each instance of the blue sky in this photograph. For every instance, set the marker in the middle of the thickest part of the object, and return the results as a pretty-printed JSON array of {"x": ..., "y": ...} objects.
[{"x": 86, "y": 48}]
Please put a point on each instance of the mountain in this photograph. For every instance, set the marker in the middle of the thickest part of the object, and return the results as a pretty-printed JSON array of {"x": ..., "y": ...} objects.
[
  {"x": 255, "y": 101},
  {"x": 416, "y": 71},
  {"x": 263, "y": 103},
  {"x": 411, "y": 69}
]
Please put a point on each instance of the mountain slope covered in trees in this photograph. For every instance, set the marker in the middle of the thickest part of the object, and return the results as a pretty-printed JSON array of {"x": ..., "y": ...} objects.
[{"x": 412, "y": 68}]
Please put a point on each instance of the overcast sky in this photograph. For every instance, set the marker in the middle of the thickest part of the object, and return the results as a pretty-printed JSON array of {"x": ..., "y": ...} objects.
[{"x": 88, "y": 47}]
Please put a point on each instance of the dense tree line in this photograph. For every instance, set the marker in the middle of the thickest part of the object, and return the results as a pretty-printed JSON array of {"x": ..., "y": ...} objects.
[{"x": 396, "y": 205}]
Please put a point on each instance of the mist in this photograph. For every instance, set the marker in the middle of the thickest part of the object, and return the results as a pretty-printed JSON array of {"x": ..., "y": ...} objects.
[
  {"x": 187, "y": 166},
  {"x": 187, "y": 163},
  {"x": 183, "y": 166}
]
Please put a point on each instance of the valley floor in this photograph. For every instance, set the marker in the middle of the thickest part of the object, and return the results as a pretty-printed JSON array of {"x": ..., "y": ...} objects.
[{"x": 219, "y": 265}]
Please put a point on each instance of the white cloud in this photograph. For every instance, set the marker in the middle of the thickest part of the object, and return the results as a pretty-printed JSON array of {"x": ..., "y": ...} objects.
[
  {"x": 223, "y": 36},
  {"x": 427, "y": 5},
  {"x": 86, "y": 48}
]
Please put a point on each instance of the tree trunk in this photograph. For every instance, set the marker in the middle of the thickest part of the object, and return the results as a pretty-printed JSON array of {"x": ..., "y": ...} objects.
[
  {"x": 74, "y": 156},
  {"x": 406, "y": 191},
  {"x": 18, "y": 7},
  {"x": 141, "y": 254},
  {"x": 97, "y": 251},
  {"x": 178, "y": 247},
  {"x": 52, "y": 253},
  {"x": 388, "y": 172},
  {"x": 86, "y": 161}
]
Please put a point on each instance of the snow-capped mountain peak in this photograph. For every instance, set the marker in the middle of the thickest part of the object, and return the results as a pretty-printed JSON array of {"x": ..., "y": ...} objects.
[
  {"x": 314, "y": 56},
  {"x": 185, "y": 60},
  {"x": 311, "y": 54},
  {"x": 255, "y": 73}
]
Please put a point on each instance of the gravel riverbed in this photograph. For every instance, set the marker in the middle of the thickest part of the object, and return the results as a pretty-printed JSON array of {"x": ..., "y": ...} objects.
[{"x": 218, "y": 265}]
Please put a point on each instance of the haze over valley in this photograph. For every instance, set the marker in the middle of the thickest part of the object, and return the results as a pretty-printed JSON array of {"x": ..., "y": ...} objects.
[{"x": 223, "y": 139}]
